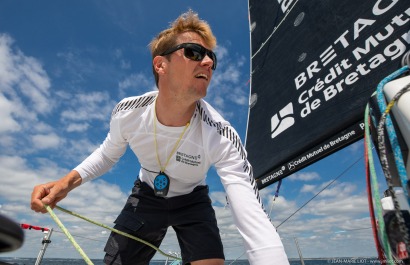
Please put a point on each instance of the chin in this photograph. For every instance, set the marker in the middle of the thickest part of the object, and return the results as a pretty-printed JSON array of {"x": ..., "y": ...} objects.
[
  {"x": 200, "y": 93},
  {"x": 203, "y": 94}
]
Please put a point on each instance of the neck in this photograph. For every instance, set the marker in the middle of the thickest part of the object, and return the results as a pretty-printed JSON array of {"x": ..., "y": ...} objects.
[{"x": 174, "y": 113}]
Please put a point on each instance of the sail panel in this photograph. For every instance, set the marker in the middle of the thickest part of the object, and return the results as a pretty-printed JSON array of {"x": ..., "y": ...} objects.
[{"x": 315, "y": 65}]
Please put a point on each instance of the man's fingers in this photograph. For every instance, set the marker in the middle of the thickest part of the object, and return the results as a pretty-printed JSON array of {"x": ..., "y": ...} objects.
[
  {"x": 45, "y": 189},
  {"x": 50, "y": 196},
  {"x": 37, "y": 197},
  {"x": 40, "y": 192}
]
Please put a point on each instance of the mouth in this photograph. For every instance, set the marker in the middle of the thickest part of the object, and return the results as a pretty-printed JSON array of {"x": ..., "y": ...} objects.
[{"x": 202, "y": 76}]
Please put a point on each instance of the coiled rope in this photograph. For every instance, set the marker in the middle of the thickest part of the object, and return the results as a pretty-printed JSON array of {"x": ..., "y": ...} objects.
[
  {"x": 375, "y": 193},
  {"x": 78, "y": 248},
  {"x": 386, "y": 123},
  {"x": 398, "y": 157}
]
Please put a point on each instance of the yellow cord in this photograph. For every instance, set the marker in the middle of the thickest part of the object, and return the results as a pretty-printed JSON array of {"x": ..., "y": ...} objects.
[
  {"x": 103, "y": 226},
  {"x": 156, "y": 144},
  {"x": 69, "y": 236}
]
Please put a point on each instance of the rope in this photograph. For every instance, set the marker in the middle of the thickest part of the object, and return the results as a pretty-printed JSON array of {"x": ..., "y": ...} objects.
[
  {"x": 275, "y": 196},
  {"x": 118, "y": 232},
  {"x": 103, "y": 226},
  {"x": 373, "y": 220},
  {"x": 385, "y": 119},
  {"x": 69, "y": 236},
  {"x": 398, "y": 157},
  {"x": 375, "y": 185}
]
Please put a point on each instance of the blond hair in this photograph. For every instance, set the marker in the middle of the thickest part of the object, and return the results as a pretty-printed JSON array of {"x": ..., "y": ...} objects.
[{"x": 186, "y": 22}]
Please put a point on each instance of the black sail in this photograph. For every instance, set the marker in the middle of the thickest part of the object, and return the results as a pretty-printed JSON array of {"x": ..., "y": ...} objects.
[{"x": 315, "y": 64}]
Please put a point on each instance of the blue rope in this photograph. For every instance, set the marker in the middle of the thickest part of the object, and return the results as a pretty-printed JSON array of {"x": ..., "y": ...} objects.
[
  {"x": 398, "y": 157},
  {"x": 278, "y": 188}
]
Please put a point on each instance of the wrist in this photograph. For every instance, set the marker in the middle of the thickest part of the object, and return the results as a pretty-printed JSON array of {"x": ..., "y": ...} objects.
[{"x": 72, "y": 180}]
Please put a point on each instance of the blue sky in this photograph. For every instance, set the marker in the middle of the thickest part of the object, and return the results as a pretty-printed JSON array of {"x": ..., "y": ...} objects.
[{"x": 63, "y": 67}]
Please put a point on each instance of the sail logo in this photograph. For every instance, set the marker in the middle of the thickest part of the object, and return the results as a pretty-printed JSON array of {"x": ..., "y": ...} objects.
[
  {"x": 285, "y": 5},
  {"x": 282, "y": 121}
]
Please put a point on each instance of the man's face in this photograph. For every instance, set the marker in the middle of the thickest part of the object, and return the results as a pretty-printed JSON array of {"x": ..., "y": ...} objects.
[{"x": 187, "y": 77}]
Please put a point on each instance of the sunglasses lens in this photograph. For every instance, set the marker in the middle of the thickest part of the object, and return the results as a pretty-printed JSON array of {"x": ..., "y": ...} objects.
[
  {"x": 194, "y": 54},
  {"x": 212, "y": 56}
]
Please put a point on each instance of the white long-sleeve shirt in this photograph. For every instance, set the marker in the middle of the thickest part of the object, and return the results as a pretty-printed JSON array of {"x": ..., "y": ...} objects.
[{"x": 209, "y": 140}]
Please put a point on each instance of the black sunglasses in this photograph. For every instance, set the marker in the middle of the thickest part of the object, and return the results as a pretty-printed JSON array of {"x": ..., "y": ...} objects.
[{"x": 194, "y": 51}]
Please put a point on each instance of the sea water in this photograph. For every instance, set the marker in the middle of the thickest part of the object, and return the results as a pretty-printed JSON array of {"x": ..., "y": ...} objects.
[{"x": 323, "y": 261}]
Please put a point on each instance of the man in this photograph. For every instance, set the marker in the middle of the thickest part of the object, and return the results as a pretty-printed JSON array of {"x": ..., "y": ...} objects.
[{"x": 176, "y": 136}]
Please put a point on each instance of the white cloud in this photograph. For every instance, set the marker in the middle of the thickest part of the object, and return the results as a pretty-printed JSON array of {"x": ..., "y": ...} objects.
[
  {"x": 337, "y": 208},
  {"x": 97, "y": 200},
  {"x": 352, "y": 204},
  {"x": 117, "y": 53},
  {"x": 8, "y": 123},
  {"x": 308, "y": 188},
  {"x": 125, "y": 64},
  {"x": 226, "y": 87},
  {"x": 17, "y": 179},
  {"x": 218, "y": 102},
  {"x": 334, "y": 190},
  {"x": 134, "y": 84},
  {"x": 24, "y": 95},
  {"x": 77, "y": 127},
  {"x": 46, "y": 141},
  {"x": 221, "y": 52},
  {"x": 79, "y": 149},
  {"x": 304, "y": 176},
  {"x": 8, "y": 73},
  {"x": 22, "y": 79},
  {"x": 89, "y": 106},
  {"x": 356, "y": 147},
  {"x": 35, "y": 84},
  {"x": 7, "y": 141},
  {"x": 23, "y": 74},
  {"x": 76, "y": 64},
  {"x": 337, "y": 189}
]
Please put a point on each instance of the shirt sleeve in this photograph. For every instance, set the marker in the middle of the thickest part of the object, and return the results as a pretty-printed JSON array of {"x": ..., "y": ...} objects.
[
  {"x": 104, "y": 157},
  {"x": 262, "y": 242}
]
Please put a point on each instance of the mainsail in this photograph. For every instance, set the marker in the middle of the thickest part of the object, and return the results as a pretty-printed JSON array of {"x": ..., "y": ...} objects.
[{"x": 315, "y": 65}]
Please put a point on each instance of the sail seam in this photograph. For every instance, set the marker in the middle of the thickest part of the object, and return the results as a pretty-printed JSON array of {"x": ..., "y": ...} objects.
[{"x": 274, "y": 30}]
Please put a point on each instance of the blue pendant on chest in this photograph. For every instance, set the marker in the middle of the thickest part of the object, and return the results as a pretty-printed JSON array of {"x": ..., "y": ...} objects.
[{"x": 161, "y": 185}]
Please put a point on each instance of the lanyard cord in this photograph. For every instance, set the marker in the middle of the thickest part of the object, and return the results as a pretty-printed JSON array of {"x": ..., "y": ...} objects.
[{"x": 156, "y": 144}]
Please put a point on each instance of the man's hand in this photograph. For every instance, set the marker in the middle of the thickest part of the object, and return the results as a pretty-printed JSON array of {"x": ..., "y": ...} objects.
[{"x": 52, "y": 192}]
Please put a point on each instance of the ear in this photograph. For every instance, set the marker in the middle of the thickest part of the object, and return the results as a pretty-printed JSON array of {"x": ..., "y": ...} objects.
[{"x": 160, "y": 64}]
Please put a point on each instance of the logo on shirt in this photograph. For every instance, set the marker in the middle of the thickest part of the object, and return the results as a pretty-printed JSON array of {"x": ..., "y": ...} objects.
[{"x": 191, "y": 160}]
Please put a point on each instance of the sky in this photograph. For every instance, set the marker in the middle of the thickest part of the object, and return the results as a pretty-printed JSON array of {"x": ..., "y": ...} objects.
[{"x": 63, "y": 67}]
